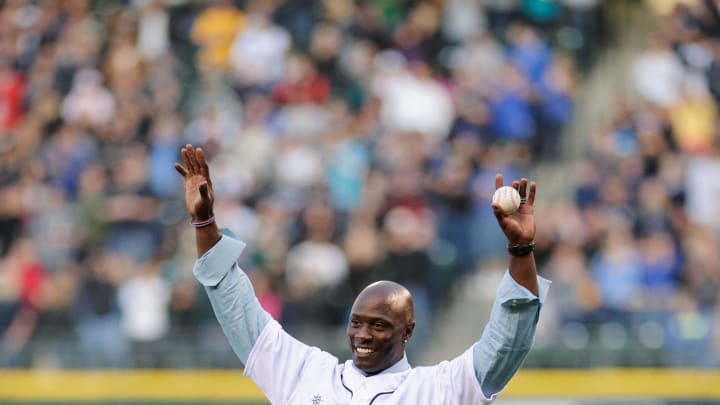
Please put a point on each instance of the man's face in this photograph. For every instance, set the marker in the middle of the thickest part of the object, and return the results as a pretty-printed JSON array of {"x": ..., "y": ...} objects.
[{"x": 377, "y": 326}]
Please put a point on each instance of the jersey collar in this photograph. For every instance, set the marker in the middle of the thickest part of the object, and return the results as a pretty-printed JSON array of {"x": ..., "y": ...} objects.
[
  {"x": 402, "y": 365},
  {"x": 388, "y": 380}
]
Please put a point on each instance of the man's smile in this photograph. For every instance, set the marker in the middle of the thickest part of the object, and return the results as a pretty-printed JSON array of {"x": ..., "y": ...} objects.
[{"x": 364, "y": 350}]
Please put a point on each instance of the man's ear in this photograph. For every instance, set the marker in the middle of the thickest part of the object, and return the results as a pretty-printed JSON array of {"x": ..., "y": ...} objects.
[{"x": 409, "y": 330}]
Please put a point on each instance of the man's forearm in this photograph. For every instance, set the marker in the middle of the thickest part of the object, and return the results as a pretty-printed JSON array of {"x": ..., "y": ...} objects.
[
  {"x": 206, "y": 237},
  {"x": 509, "y": 333},
  {"x": 231, "y": 294},
  {"x": 524, "y": 272},
  {"x": 238, "y": 311}
]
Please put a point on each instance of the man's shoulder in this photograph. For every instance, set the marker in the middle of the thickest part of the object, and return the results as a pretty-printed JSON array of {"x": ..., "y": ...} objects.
[
  {"x": 275, "y": 340},
  {"x": 454, "y": 365}
]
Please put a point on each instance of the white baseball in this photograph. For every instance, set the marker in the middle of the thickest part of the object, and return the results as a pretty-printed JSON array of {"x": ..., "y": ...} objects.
[{"x": 507, "y": 198}]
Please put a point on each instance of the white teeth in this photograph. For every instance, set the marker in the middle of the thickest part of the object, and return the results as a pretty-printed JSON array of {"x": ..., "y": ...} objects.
[{"x": 364, "y": 350}]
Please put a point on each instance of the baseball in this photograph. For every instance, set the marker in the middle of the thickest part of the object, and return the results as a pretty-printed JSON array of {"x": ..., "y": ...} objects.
[{"x": 507, "y": 198}]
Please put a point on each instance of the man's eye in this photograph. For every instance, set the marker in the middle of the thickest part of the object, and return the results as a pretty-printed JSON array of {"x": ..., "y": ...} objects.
[
  {"x": 355, "y": 322},
  {"x": 379, "y": 326}
]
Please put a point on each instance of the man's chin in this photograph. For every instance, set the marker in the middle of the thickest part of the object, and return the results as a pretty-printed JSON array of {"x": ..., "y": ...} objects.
[{"x": 365, "y": 365}]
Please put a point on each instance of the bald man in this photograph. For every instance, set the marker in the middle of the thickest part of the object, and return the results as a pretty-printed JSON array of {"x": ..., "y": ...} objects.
[
  {"x": 379, "y": 327},
  {"x": 381, "y": 323}
]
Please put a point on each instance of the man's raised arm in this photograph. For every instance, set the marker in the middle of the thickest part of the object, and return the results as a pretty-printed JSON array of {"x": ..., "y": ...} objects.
[
  {"x": 508, "y": 335},
  {"x": 228, "y": 287}
]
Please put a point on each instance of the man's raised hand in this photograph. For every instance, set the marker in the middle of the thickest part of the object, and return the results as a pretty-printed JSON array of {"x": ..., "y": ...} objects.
[
  {"x": 199, "y": 196},
  {"x": 519, "y": 227}
]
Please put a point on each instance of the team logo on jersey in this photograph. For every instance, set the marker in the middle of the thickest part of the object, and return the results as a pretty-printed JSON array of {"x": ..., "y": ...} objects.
[{"x": 316, "y": 400}]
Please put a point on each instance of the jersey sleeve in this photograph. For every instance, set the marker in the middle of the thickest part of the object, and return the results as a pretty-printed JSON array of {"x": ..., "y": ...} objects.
[
  {"x": 231, "y": 295},
  {"x": 508, "y": 335},
  {"x": 482, "y": 371},
  {"x": 453, "y": 382},
  {"x": 278, "y": 363}
]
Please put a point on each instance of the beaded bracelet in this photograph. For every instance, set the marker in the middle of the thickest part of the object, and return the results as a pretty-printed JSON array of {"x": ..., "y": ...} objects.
[{"x": 204, "y": 223}]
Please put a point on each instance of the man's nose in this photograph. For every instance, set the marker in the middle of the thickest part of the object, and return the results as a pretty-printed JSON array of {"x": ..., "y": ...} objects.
[{"x": 363, "y": 332}]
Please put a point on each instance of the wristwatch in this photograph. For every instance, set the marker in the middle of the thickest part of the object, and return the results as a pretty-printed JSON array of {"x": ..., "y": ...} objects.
[{"x": 521, "y": 250}]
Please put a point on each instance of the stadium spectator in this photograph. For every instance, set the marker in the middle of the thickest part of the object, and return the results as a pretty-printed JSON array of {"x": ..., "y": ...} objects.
[
  {"x": 391, "y": 116},
  {"x": 213, "y": 32}
]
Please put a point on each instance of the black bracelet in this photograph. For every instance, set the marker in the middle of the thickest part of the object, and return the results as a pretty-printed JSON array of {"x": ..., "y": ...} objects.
[{"x": 521, "y": 250}]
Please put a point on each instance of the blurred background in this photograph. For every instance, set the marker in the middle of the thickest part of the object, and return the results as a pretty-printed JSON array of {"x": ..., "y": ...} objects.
[{"x": 350, "y": 141}]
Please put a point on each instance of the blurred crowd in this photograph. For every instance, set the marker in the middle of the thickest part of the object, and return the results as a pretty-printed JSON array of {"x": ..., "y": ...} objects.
[
  {"x": 348, "y": 140},
  {"x": 635, "y": 255}
]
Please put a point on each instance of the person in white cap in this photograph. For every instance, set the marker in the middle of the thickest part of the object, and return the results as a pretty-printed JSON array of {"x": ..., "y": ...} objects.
[{"x": 380, "y": 324}]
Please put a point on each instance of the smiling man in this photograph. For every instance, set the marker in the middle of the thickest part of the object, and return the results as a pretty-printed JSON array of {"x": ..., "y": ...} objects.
[
  {"x": 379, "y": 327},
  {"x": 381, "y": 323}
]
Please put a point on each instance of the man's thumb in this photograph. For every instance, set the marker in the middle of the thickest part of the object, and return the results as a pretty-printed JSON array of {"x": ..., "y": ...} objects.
[
  {"x": 205, "y": 191},
  {"x": 499, "y": 214}
]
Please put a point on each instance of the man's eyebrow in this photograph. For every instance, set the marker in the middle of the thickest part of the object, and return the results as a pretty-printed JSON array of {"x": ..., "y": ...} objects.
[{"x": 372, "y": 318}]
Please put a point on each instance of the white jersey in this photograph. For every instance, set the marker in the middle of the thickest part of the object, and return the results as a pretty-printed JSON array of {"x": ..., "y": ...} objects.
[{"x": 290, "y": 372}]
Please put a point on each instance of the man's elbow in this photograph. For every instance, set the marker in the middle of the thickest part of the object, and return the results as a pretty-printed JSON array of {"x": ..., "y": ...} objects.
[{"x": 498, "y": 376}]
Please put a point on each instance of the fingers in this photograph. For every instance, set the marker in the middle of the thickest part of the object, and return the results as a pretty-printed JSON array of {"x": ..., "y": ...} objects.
[
  {"x": 521, "y": 187},
  {"x": 185, "y": 154},
  {"x": 499, "y": 214},
  {"x": 180, "y": 169},
  {"x": 531, "y": 195},
  {"x": 192, "y": 158},
  {"x": 525, "y": 189},
  {"x": 527, "y": 194},
  {"x": 202, "y": 163}
]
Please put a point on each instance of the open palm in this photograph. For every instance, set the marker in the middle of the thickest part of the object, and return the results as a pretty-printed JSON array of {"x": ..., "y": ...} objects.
[{"x": 198, "y": 187}]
